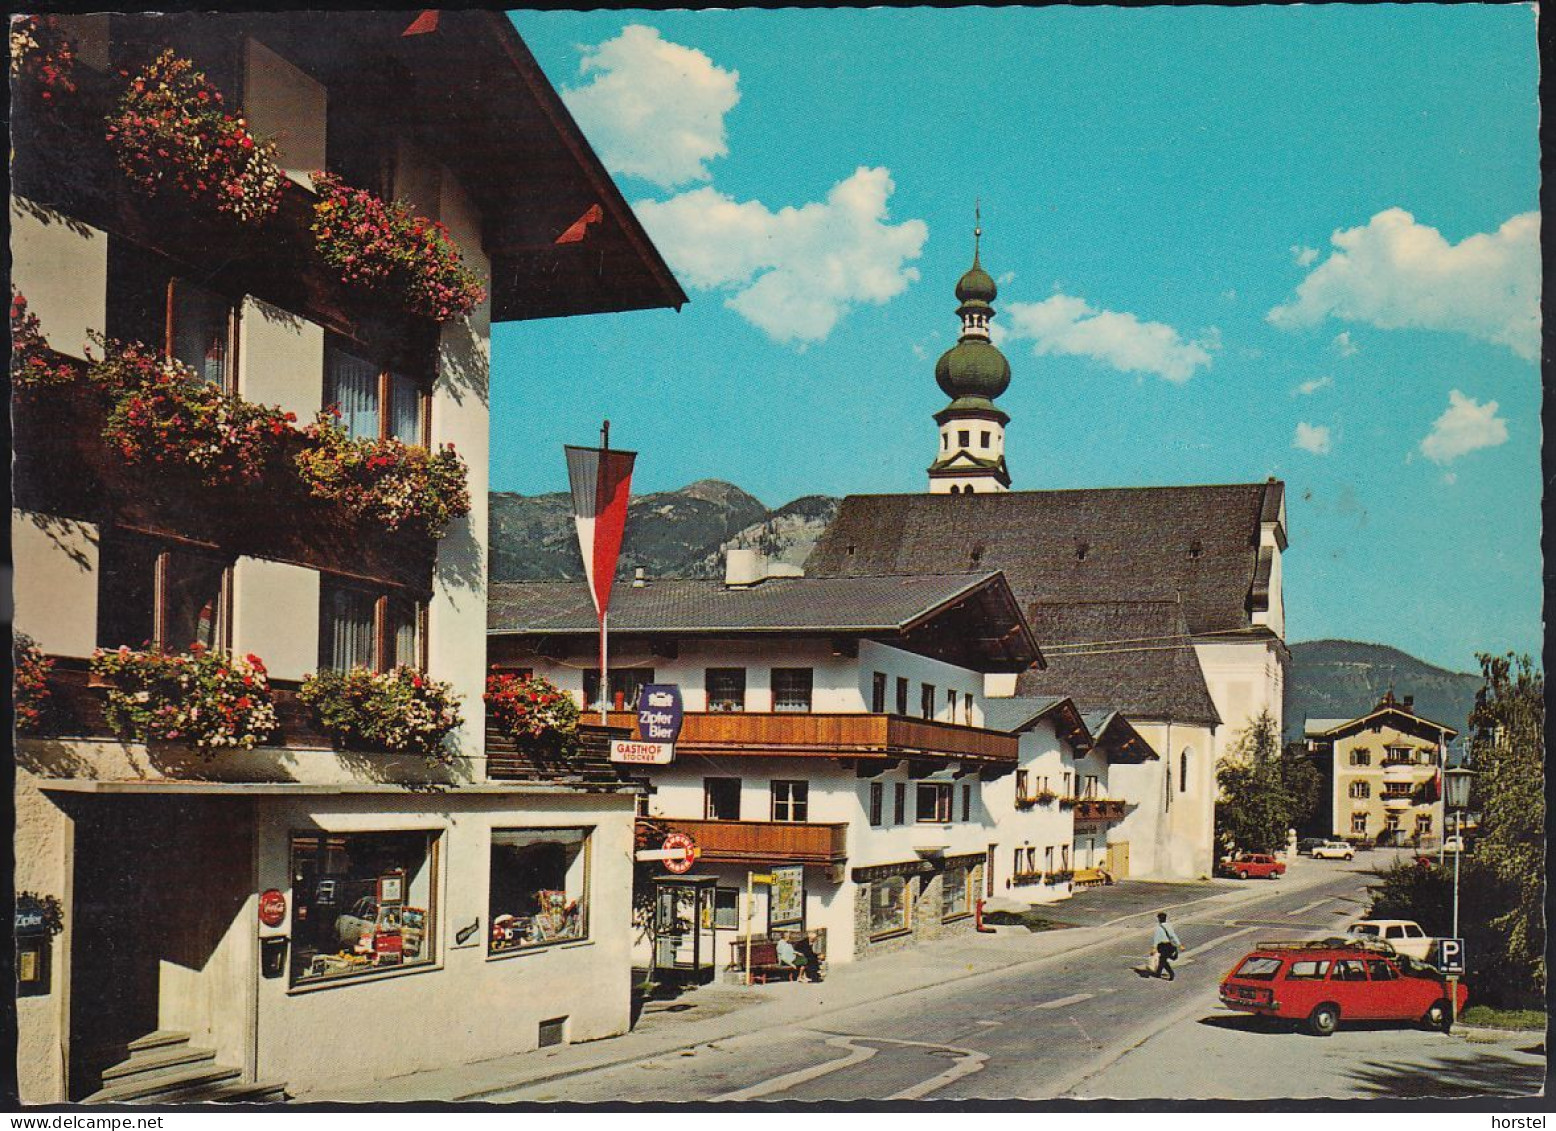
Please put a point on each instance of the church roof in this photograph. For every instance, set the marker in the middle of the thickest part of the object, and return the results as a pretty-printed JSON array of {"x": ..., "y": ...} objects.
[
  {"x": 1197, "y": 545},
  {"x": 1128, "y": 656}
]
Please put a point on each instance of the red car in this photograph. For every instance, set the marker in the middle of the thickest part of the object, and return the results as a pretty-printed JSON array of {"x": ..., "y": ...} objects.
[
  {"x": 1321, "y": 983},
  {"x": 1256, "y": 864}
]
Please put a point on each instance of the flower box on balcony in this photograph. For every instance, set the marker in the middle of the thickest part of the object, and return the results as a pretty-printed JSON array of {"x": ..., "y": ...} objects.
[
  {"x": 539, "y": 716},
  {"x": 205, "y": 699},
  {"x": 401, "y": 487},
  {"x": 397, "y": 712}
]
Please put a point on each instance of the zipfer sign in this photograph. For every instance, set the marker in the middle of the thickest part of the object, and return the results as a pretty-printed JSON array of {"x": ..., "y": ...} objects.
[{"x": 659, "y": 712}]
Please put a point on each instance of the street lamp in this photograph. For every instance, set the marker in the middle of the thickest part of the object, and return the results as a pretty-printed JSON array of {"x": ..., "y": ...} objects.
[{"x": 1456, "y": 798}]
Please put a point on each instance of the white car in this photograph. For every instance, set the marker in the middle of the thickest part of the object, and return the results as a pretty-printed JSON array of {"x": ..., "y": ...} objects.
[
  {"x": 1454, "y": 844},
  {"x": 1404, "y": 935},
  {"x": 1333, "y": 850}
]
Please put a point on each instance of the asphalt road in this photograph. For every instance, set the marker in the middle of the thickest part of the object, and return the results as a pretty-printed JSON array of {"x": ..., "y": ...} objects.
[{"x": 1053, "y": 1028}]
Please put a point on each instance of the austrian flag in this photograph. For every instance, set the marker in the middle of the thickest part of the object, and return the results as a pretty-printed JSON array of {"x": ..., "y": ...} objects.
[{"x": 601, "y": 481}]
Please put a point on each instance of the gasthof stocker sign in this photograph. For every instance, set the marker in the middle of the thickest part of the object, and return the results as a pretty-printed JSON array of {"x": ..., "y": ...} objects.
[{"x": 642, "y": 753}]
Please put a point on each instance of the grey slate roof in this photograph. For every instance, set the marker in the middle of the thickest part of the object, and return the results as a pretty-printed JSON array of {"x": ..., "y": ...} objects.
[
  {"x": 779, "y": 604},
  {"x": 1197, "y": 544},
  {"x": 1011, "y": 715},
  {"x": 1157, "y": 677}
]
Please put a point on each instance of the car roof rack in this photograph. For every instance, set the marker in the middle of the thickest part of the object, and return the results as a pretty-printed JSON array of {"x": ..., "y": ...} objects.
[{"x": 1376, "y": 946}]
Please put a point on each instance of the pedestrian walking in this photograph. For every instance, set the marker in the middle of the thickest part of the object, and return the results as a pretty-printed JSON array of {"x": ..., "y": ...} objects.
[{"x": 1166, "y": 944}]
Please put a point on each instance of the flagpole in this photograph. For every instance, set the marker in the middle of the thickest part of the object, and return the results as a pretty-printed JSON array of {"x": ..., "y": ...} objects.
[{"x": 605, "y": 680}]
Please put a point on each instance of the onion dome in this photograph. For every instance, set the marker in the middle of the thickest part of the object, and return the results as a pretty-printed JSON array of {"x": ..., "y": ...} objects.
[
  {"x": 977, "y": 285},
  {"x": 973, "y": 368}
]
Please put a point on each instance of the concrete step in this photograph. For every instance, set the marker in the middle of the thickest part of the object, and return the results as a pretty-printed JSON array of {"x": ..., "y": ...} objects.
[
  {"x": 259, "y": 1092},
  {"x": 155, "y": 1059},
  {"x": 165, "y": 1085},
  {"x": 157, "y": 1040}
]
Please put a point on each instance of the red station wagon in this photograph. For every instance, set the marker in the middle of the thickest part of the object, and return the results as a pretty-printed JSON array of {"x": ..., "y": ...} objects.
[
  {"x": 1257, "y": 864},
  {"x": 1321, "y": 983}
]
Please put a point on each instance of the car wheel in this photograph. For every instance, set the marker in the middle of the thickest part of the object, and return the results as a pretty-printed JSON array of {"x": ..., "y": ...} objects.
[
  {"x": 1438, "y": 1017},
  {"x": 1242, "y": 875},
  {"x": 1275, "y": 875},
  {"x": 1324, "y": 1020}
]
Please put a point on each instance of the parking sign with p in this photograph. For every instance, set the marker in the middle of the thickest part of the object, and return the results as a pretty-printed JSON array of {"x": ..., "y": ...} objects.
[{"x": 1450, "y": 956}]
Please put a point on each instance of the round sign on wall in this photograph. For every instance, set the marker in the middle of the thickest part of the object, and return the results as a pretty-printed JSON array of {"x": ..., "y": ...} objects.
[
  {"x": 688, "y": 848},
  {"x": 272, "y": 908}
]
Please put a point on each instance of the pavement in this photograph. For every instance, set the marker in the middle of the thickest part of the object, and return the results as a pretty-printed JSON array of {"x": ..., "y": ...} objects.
[{"x": 956, "y": 1017}]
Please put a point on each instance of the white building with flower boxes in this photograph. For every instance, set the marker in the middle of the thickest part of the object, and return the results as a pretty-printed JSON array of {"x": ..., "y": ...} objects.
[
  {"x": 249, "y": 544},
  {"x": 833, "y": 726}
]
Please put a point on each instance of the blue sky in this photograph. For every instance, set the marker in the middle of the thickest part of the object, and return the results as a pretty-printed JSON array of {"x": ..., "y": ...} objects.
[{"x": 1230, "y": 243}]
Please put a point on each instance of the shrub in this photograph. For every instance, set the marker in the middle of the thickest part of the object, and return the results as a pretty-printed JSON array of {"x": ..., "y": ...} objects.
[
  {"x": 205, "y": 699},
  {"x": 384, "y": 246},
  {"x": 531, "y": 709},
  {"x": 42, "y": 55},
  {"x": 401, "y": 486},
  {"x": 401, "y": 711},
  {"x": 31, "y": 699},
  {"x": 170, "y": 129},
  {"x": 165, "y": 414},
  {"x": 34, "y": 365}
]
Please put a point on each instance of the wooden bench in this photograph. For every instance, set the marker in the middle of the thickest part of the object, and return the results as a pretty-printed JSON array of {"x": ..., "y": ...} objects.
[{"x": 764, "y": 961}]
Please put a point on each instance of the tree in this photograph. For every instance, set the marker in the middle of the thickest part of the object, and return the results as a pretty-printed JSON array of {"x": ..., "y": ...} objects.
[
  {"x": 1507, "y": 734},
  {"x": 1303, "y": 782},
  {"x": 1257, "y": 806}
]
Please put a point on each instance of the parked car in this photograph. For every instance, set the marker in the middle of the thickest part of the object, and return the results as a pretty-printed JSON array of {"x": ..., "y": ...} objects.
[
  {"x": 1402, "y": 935},
  {"x": 1322, "y": 983},
  {"x": 1334, "y": 850},
  {"x": 1454, "y": 844},
  {"x": 1306, "y": 845},
  {"x": 1257, "y": 864}
]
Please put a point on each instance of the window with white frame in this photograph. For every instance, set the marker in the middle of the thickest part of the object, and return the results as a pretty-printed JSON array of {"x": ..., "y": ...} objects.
[
  {"x": 362, "y": 627},
  {"x": 376, "y": 401},
  {"x": 1359, "y": 823},
  {"x": 361, "y": 902},
  {"x": 933, "y": 803},
  {"x": 1361, "y": 789},
  {"x": 726, "y": 689},
  {"x": 539, "y": 887},
  {"x": 792, "y": 689},
  {"x": 160, "y": 595},
  {"x": 791, "y": 800}
]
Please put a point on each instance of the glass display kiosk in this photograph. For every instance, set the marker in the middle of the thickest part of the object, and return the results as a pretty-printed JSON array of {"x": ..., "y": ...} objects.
[{"x": 684, "y": 936}]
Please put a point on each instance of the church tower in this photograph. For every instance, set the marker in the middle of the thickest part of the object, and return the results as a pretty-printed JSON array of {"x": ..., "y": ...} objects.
[{"x": 972, "y": 373}]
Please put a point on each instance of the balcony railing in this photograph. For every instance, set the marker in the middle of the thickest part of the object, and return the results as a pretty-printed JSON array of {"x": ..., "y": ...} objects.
[
  {"x": 834, "y": 735},
  {"x": 1097, "y": 808},
  {"x": 740, "y": 842}
]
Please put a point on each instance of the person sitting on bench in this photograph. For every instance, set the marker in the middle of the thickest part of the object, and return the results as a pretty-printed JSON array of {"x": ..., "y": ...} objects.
[{"x": 787, "y": 956}]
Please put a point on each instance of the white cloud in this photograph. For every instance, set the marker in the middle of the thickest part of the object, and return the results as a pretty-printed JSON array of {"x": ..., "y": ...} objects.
[
  {"x": 1450, "y": 478},
  {"x": 1343, "y": 345},
  {"x": 1305, "y": 256},
  {"x": 794, "y": 272},
  {"x": 1308, "y": 388},
  {"x": 653, "y": 109},
  {"x": 1465, "y": 427},
  {"x": 1312, "y": 438},
  {"x": 1395, "y": 274},
  {"x": 1063, "y": 324}
]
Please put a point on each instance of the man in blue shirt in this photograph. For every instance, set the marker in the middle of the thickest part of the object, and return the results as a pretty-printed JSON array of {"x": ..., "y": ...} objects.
[{"x": 1166, "y": 944}]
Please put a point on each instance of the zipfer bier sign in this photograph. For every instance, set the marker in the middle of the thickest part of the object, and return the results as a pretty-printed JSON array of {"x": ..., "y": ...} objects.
[{"x": 659, "y": 712}]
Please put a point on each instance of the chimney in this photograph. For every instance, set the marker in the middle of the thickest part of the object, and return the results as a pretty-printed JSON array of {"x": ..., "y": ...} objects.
[
  {"x": 638, "y": 580},
  {"x": 743, "y": 568},
  {"x": 1410, "y": 702}
]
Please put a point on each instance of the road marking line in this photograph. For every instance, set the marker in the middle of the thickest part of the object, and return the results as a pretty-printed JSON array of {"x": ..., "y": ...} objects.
[
  {"x": 1071, "y": 1000},
  {"x": 967, "y": 1063},
  {"x": 858, "y": 1054},
  {"x": 989, "y": 1024},
  {"x": 1309, "y": 907}
]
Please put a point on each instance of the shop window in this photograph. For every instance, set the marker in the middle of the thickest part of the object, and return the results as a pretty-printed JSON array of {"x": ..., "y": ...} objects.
[
  {"x": 791, "y": 800},
  {"x": 902, "y": 695},
  {"x": 721, "y": 799},
  {"x": 878, "y": 693},
  {"x": 899, "y": 802},
  {"x": 726, "y": 909},
  {"x": 364, "y": 628},
  {"x": 926, "y": 701},
  {"x": 362, "y": 902},
  {"x": 625, "y": 683},
  {"x": 726, "y": 688},
  {"x": 792, "y": 689},
  {"x": 877, "y": 802},
  {"x": 153, "y": 595},
  {"x": 955, "y": 893},
  {"x": 539, "y": 888},
  {"x": 376, "y": 401},
  {"x": 151, "y": 302},
  {"x": 933, "y": 803},
  {"x": 889, "y": 905}
]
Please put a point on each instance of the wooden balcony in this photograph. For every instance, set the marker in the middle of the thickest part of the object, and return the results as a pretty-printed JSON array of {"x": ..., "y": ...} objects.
[
  {"x": 832, "y": 736},
  {"x": 775, "y": 842},
  {"x": 1097, "y": 808}
]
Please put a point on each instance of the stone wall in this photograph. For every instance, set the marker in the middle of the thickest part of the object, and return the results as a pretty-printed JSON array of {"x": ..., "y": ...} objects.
[{"x": 926, "y": 918}]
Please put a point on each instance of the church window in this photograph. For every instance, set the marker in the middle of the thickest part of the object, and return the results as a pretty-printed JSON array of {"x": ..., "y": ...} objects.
[
  {"x": 983, "y": 439},
  {"x": 964, "y": 439}
]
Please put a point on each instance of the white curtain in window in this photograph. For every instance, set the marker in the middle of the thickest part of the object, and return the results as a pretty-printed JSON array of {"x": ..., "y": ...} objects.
[
  {"x": 346, "y": 637},
  {"x": 351, "y": 385},
  {"x": 405, "y": 409},
  {"x": 200, "y": 331}
]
